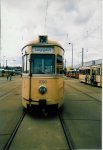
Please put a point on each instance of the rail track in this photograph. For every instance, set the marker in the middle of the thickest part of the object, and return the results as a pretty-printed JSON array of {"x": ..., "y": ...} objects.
[
  {"x": 71, "y": 145},
  {"x": 67, "y": 134},
  {"x": 9, "y": 142},
  {"x": 95, "y": 99},
  {"x": 6, "y": 93}
]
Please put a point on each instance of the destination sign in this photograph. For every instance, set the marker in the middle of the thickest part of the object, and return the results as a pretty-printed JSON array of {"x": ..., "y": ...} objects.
[{"x": 42, "y": 49}]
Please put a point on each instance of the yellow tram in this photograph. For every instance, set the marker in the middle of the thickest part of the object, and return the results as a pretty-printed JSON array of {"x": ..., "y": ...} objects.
[
  {"x": 91, "y": 75},
  {"x": 42, "y": 76}
]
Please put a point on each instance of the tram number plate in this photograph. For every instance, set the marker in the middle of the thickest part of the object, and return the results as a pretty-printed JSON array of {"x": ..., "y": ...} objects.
[{"x": 42, "y": 81}]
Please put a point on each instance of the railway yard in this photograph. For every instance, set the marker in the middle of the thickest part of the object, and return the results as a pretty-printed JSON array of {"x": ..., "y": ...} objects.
[{"x": 78, "y": 125}]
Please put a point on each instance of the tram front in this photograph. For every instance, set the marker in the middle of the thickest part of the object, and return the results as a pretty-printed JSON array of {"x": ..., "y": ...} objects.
[{"x": 42, "y": 78}]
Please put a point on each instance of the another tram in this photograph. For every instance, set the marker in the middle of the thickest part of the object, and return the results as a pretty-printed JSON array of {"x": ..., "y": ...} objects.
[
  {"x": 1, "y": 72},
  {"x": 6, "y": 72},
  {"x": 91, "y": 75},
  {"x": 73, "y": 74},
  {"x": 43, "y": 75}
]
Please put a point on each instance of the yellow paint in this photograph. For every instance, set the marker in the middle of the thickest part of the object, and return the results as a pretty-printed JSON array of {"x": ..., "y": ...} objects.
[
  {"x": 54, "y": 83},
  {"x": 54, "y": 94}
]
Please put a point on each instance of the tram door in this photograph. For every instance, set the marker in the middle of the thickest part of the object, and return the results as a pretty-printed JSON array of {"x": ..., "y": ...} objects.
[{"x": 26, "y": 76}]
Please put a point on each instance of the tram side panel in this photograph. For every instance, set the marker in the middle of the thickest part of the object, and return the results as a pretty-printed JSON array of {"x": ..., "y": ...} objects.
[
  {"x": 99, "y": 80},
  {"x": 84, "y": 78},
  {"x": 81, "y": 78},
  {"x": 25, "y": 90},
  {"x": 99, "y": 75},
  {"x": 61, "y": 91}
]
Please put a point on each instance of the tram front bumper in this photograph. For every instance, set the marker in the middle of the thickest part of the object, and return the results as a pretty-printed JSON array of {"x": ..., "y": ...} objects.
[{"x": 40, "y": 102}]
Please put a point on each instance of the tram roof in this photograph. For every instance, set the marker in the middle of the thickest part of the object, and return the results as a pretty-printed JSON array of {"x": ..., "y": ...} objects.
[
  {"x": 48, "y": 43},
  {"x": 89, "y": 67}
]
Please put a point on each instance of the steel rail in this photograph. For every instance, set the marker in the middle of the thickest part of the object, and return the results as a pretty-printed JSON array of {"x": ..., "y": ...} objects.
[
  {"x": 66, "y": 132},
  {"x": 95, "y": 99},
  {"x": 8, "y": 93},
  {"x": 9, "y": 142}
]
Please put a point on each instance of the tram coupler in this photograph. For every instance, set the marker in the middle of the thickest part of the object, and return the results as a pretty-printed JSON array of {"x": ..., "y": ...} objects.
[{"x": 42, "y": 103}]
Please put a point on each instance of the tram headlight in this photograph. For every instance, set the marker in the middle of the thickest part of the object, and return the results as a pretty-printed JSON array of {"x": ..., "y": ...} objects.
[{"x": 42, "y": 89}]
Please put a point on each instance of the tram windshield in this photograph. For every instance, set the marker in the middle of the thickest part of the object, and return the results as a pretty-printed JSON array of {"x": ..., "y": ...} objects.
[{"x": 42, "y": 64}]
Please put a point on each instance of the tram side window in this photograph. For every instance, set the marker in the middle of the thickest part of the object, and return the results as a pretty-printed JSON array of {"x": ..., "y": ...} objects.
[
  {"x": 98, "y": 71},
  {"x": 26, "y": 63},
  {"x": 87, "y": 71},
  {"x": 59, "y": 64},
  {"x": 82, "y": 72}
]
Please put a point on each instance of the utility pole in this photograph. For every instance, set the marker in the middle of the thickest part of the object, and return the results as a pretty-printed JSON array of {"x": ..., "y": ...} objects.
[
  {"x": 14, "y": 63},
  {"x": 6, "y": 62},
  {"x": 72, "y": 53},
  {"x": 65, "y": 68},
  {"x": 0, "y": 55},
  {"x": 82, "y": 55},
  {"x": 3, "y": 61}
]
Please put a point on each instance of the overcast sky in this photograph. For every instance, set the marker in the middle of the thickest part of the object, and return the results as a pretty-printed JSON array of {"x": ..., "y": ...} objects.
[{"x": 68, "y": 21}]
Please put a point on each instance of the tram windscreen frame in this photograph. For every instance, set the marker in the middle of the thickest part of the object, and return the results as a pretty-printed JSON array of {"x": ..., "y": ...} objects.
[{"x": 42, "y": 64}]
